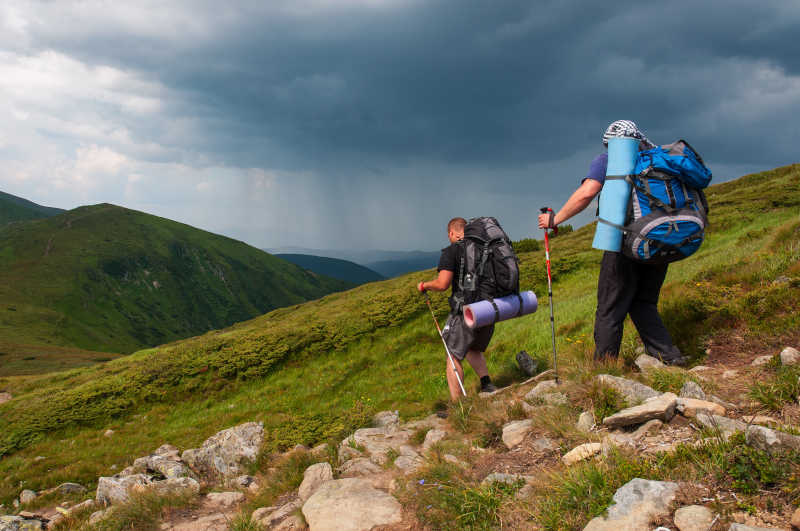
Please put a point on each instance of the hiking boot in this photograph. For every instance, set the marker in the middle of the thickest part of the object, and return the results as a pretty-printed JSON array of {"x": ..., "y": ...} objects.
[
  {"x": 442, "y": 414},
  {"x": 680, "y": 361},
  {"x": 488, "y": 388},
  {"x": 526, "y": 363}
]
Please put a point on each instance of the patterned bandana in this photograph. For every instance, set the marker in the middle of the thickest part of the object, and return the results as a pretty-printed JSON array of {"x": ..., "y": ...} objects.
[{"x": 625, "y": 128}]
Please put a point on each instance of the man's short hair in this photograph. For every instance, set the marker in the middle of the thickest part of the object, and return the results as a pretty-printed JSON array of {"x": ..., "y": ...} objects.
[{"x": 456, "y": 224}]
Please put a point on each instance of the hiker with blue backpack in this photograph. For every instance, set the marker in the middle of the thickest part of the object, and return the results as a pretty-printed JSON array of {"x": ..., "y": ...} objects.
[{"x": 652, "y": 212}]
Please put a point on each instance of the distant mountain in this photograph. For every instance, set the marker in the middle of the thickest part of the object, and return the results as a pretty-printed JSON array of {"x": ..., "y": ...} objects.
[
  {"x": 333, "y": 267},
  {"x": 105, "y": 278},
  {"x": 13, "y": 208},
  {"x": 387, "y": 263}
]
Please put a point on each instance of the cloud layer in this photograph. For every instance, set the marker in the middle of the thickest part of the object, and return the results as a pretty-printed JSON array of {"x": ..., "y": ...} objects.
[{"x": 369, "y": 123}]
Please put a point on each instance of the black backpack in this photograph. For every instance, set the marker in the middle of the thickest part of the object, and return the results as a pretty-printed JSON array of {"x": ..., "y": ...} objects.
[{"x": 488, "y": 266}]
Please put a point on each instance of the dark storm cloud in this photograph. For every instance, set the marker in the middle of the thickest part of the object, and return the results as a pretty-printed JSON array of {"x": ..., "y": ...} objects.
[{"x": 380, "y": 102}]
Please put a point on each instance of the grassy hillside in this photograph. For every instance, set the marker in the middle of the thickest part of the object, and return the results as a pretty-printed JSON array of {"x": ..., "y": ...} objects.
[
  {"x": 333, "y": 267},
  {"x": 314, "y": 371},
  {"x": 106, "y": 278},
  {"x": 13, "y": 208}
]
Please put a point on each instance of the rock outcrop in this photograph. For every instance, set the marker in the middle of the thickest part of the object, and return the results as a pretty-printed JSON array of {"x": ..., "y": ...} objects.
[
  {"x": 661, "y": 407},
  {"x": 226, "y": 454},
  {"x": 350, "y": 504},
  {"x": 636, "y": 505}
]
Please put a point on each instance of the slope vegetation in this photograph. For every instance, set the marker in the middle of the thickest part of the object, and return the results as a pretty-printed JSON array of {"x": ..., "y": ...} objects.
[
  {"x": 13, "y": 208},
  {"x": 314, "y": 371},
  {"x": 106, "y": 278},
  {"x": 333, "y": 267}
]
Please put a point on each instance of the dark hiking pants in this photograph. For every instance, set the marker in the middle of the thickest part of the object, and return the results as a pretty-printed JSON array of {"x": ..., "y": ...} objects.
[{"x": 627, "y": 287}]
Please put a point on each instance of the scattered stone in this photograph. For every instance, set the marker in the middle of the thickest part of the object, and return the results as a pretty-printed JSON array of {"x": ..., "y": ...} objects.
[
  {"x": 98, "y": 516},
  {"x": 618, "y": 438},
  {"x": 408, "y": 461},
  {"x": 727, "y": 405},
  {"x": 693, "y": 518},
  {"x": 554, "y": 399},
  {"x": 350, "y": 505},
  {"x": 360, "y": 466},
  {"x": 691, "y": 389},
  {"x": 211, "y": 522},
  {"x": 586, "y": 421},
  {"x": 168, "y": 451},
  {"x": 227, "y": 453},
  {"x": 726, "y": 426},
  {"x": 644, "y": 362},
  {"x": 27, "y": 496},
  {"x": 379, "y": 441},
  {"x": 433, "y": 437},
  {"x": 690, "y": 407},
  {"x": 700, "y": 368},
  {"x": 796, "y": 519},
  {"x": 544, "y": 444},
  {"x": 431, "y": 422},
  {"x": 453, "y": 460},
  {"x": 39, "y": 458},
  {"x": 386, "y": 419},
  {"x": 108, "y": 433},
  {"x": 743, "y": 527},
  {"x": 541, "y": 388},
  {"x": 225, "y": 499},
  {"x": 634, "y": 392},
  {"x": 651, "y": 427},
  {"x": 790, "y": 356},
  {"x": 515, "y": 431},
  {"x": 5, "y": 397},
  {"x": 291, "y": 523},
  {"x": 508, "y": 479},
  {"x": 347, "y": 452},
  {"x": 269, "y": 516},
  {"x": 17, "y": 523},
  {"x": 161, "y": 464},
  {"x": 241, "y": 482},
  {"x": 579, "y": 453},
  {"x": 636, "y": 504},
  {"x": 313, "y": 477},
  {"x": 84, "y": 505},
  {"x": 661, "y": 407},
  {"x": 761, "y": 360},
  {"x": 729, "y": 374},
  {"x": 116, "y": 489},
  {"x": 69, "y": 488},
  {"x": 320, "y": 450},
  {"x": 762, "y": 420},
  {"x": 771, "y": 440}
]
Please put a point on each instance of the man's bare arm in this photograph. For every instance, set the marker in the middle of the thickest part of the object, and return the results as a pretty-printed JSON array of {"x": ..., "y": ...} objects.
[
  {"x": 441, "y": 283},
  {"x": 578, "y": 201}
]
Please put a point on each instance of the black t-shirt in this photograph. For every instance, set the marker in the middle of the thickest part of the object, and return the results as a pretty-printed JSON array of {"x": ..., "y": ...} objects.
[{"x": 449, "y": 261}]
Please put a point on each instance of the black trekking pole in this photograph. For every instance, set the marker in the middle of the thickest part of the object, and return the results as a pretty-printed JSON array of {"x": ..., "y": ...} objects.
[
  {"x": 549, "y": 210},
  {"x": 450, "y": 356}
]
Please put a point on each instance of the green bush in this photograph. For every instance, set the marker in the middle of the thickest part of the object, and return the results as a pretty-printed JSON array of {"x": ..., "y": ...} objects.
[{"x": 526, "y": 245}]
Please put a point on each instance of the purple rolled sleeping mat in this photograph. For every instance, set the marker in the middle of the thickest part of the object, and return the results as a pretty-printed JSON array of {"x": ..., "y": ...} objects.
[{"x": 483, "y": 313}]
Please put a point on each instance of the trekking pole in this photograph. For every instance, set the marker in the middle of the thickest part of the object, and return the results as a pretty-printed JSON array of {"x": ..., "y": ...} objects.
[
  {"x": 449, "y": 356},
  {"x": 549, "y": 210}
]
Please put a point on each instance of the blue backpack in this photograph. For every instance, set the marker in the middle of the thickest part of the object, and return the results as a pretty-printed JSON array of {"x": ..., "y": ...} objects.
[{"x": 667, "y": 211}]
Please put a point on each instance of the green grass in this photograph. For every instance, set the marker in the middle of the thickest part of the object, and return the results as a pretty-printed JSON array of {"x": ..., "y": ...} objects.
[
  {"x": 316, "y": 370},
  {"x": 13, "y": 208},
  {"x": 105, "y": 278}
]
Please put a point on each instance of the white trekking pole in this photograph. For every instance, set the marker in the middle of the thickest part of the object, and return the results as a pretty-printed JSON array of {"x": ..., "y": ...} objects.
[{"x": 449, "y": 356}]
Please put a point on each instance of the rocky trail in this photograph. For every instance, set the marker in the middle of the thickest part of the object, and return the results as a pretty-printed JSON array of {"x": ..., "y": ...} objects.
[{"x": 366, "y": 482}]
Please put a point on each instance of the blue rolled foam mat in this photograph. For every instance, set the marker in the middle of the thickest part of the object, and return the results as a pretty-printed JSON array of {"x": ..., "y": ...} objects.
[
  {"x": 616, "y": 192},
  {"x": 481, "y": 313}
]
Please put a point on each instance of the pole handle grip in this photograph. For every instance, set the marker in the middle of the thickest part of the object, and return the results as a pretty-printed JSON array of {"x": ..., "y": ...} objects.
[{"x": 545, "y": 210}]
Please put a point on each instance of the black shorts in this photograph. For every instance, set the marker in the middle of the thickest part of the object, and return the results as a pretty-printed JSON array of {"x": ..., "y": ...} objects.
[{"x": 461, "y": 339}]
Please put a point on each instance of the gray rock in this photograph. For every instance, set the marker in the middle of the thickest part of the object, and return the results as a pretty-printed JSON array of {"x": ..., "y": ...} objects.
[
  {"x": 84, "y": 505},
  {"x": 98, "y": 516},
  {"x": 161, "y": 464},
  {"x": 350, "y": 504},
  {"x": 742, "y": 527},
  {"x": 691, "y": 389},
  {"x": 690, "y": 407},
  {"x": 453, "y": 460},
  {"x": 761, "y": 360},
  {"x": 386, "y": 419},
  {"x": 226, "y": 454},
  {"x": 644, "y": 362},
  {"x": 291, "y": 523},
  {"x": 790, "y": 356},
  {"x": 515, "y": 431},
  {"x": 5, "y": 397},
  {"x": 651, "y": 427},
  {"x": 554, "y": 399},
  {"x": 661, "y": 407},
  {"x": 108, "y": 433},
  {"x": 730, "y": 374},
  {"x": 379, "y": 441},
  {"x": 168, "y": 451},
  {"x": 699, "y": 369},
  {"x": 408, "y": 461},
  {"x": 433, "y": 437},
  {"x": 27, "y": 496},
  {"x": 509, "y": 479},
  {"x": 636, "y": 504},
  {"x": 313, "y": 477},
  {"x": 320, "y": 450},
  {"x": 727, "y": 405},
  {"x": 544, "y": 444},
  {"x": 693, "y": 518},
  {"x": 360, "y": 466},
  {"x": 17, "y": 523},
  {"x": 579, "y": 453},
  {"x": 634, "y": 392},
  {"x": 724, "y": 425},
  {"x": 116, "y": 489},
  {"x": 268, "y": 517},
  {"x": 586, "y": 421},
  {"x": 224, "y": 500},
  {"x": 70, "y": 488},
  {"x": 541, "y": 388},
  {"x": 431, "y": 422},
  {"x": 771, "y": 440},
  {"x": 347, "y": 452},
  {"x": 178, "y": 486}
]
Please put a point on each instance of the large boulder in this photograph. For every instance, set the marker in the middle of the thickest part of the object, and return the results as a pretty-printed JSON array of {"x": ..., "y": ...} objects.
[
  {"x": 313, "y": 477},
  {"x": 227, "y": 454},
  {"x": 515, "y": 431},
  {"x": 378, "y": 442},
  {"x": 116, "y": 489},
  {"x": 660, "y": 407},
  {"x": 636, "y": 505},
  {"x": 634, "y": 392},
  {"x": 771, "y": 440},
  {"x": 693, "y": 518},
  {"x": 692, "y": 389},
  {"x": 350, "y": 504}
]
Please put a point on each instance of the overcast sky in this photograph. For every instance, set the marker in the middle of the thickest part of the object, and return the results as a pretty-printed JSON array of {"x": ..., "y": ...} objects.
[{"x": 370, "y": 123}]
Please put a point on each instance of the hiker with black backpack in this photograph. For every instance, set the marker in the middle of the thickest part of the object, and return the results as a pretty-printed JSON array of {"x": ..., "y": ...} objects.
[
  {"x": 665, "y": 221},
  {"x": 457, "y": 269}
]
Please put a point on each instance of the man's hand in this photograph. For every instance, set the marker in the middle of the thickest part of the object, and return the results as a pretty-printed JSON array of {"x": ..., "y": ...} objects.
[
  {"x": 421, "y": 287},
  {"x": 547, "y": 221}
]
